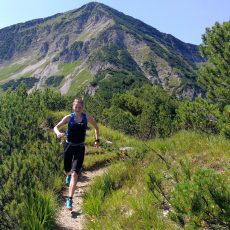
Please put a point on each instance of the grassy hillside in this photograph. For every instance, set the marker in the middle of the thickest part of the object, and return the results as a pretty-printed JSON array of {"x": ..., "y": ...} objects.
[{"x": 148, "y": 187}]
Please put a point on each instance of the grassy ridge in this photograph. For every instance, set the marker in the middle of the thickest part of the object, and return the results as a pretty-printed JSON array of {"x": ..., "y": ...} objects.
[
  {"x": 81, "y": 80},
  {"x": 12, "y": 69},
  {"x": 145, "y": 188},
  {"x": 149, "y": 187},
  {"x": 66, "y": 69}
]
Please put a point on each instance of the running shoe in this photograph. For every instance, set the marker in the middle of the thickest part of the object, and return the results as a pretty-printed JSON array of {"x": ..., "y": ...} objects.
[{"x": 69, "y": 204}]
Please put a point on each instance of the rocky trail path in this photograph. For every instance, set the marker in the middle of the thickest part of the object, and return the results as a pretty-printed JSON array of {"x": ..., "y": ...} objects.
[{"x": 74, "y": 220}]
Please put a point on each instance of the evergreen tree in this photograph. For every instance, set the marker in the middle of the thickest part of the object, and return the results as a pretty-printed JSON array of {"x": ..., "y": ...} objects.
[
  {"x": 199, "y": 115},
  {"x": 26, "y": 147},
  {"x": 144, "y": 112},
  {"x": 214, "y": 76}
]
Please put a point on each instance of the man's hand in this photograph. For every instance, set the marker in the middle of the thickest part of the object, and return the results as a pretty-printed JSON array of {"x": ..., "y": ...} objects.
[
  {"x": 60, "y": 135},
  {"x": 96, "y": 144}
]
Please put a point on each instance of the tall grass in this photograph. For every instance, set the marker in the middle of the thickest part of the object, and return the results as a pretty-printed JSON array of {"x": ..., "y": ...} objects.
[
  {"x": 102, "y": 187},
  {"x": 148, "y": 188},
  {"x": 39, "y": 210},
  {"x": 96, "y": 160}
]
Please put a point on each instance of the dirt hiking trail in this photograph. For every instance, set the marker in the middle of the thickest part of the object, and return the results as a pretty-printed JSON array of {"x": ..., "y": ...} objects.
[{"x": 74, "y": 220}]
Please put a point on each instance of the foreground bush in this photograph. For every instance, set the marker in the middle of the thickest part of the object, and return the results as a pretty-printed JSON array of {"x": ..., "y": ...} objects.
[{"x": 202, "y": 200}]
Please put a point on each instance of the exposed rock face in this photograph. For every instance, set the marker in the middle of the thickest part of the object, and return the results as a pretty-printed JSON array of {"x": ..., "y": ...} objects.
[{"x": 101, "y": 38}]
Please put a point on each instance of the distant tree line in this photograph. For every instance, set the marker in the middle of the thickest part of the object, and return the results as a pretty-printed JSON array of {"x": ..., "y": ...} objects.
[{"x": 13, "y": 84}]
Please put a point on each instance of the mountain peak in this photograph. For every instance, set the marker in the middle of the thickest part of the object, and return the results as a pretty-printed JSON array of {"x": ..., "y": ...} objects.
[{"x": 96, "y": 39}]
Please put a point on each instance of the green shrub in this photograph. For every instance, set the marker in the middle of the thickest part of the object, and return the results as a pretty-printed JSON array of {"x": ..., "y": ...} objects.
[
  {"x": 54, "y": 81},
  {"x": 13, "y": 84},
  {"x": 199, "y": 115},
  {"x": 225, "y": 122},
  {"x": 144, "y": 112},
  {"x": 54, "y": 117},
  {"x": 26, "y": 148},
  {"x": 203, "y": 200}
]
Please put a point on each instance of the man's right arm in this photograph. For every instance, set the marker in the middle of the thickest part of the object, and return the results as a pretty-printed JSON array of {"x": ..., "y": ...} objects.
[{"x": 60, "y": 124}]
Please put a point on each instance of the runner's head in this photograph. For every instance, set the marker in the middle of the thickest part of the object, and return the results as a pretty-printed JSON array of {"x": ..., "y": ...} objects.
[{"x": 78, "y": 105}]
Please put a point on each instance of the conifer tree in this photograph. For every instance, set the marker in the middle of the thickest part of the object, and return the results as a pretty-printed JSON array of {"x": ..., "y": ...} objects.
[
  {"x": 30, "y": 157},
  {"x": 214, "y": 76}
]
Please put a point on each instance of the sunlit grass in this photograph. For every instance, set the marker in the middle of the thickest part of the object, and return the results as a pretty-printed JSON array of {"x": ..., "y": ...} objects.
[
  {"x": 131, "y": 200},
  {"x": 5, "y": 72},
  {"x": 199, "y": 149},
  {"x": 136, "y": 189},
  {"x": 80, "y": 82},
  {"x": 66, "y": 69},
  {"x": 96, "y": 160}
]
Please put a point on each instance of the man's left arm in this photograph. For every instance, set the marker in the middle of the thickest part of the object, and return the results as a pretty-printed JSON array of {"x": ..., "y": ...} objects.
[{"x": 94, "y": 124}]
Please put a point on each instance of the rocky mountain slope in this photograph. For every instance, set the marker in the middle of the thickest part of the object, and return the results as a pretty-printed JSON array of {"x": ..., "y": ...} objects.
[{"x": 80, "y": 48}]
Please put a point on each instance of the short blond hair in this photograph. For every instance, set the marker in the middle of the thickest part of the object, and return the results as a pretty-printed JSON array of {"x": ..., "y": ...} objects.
[{"x": 76, "y": 101}]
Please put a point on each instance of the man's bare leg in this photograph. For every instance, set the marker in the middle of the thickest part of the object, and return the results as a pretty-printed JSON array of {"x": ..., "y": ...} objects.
[{"x": 73, "y": 184}]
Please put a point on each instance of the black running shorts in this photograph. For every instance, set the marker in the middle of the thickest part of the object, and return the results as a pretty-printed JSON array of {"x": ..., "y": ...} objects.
[{"x": 73, "y": 157}]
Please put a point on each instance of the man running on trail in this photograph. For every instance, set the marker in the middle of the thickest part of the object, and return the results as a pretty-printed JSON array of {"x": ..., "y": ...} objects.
[{"x": 74, "y": 150}]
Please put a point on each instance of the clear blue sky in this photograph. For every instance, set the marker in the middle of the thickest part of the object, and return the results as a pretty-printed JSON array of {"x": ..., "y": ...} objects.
[{"x": 184, "y": 19}]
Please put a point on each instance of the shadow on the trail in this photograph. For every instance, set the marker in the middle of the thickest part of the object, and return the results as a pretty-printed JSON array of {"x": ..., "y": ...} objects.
[
  {"x": 75, "y": 214},
  {"x": 83, "y": 178},
  {"x": 57, "y": 227}
]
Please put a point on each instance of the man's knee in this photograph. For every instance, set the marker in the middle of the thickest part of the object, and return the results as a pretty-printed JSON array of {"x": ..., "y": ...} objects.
[
  {"x": 74, "y": 174},
  {"x": 68, "y": 173}
]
